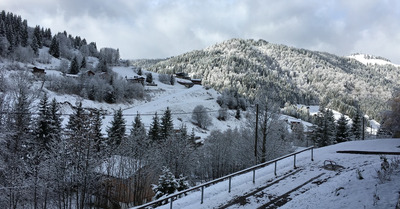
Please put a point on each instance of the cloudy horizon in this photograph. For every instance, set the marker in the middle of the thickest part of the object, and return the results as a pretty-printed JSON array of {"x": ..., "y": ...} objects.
[{"x": 165, "y": 28}]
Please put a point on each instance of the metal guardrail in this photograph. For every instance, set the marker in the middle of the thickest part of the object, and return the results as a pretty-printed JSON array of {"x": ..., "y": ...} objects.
[{"x": 174, "y": 196}]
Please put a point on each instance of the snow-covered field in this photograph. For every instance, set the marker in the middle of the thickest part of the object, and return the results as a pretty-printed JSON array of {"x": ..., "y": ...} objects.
[
  {"x": 310, "y": 185},
  {"x": 372, "y": 61},
  {"x": 180, "y": 100}
]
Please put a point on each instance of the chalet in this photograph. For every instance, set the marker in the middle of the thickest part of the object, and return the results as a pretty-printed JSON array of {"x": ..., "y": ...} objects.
[
  {"x": 182, "y": 75},
  {"x": 124, "y": 183},
  {"x": 187, "y": 84},
  {"x": 137, "y": 79},
  {"x": 38, "y": 71},
  {"x": 196, "y": 81}
]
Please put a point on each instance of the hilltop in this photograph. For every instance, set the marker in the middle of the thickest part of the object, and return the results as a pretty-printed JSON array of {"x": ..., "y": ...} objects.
[{"x": 298, "y": 76}]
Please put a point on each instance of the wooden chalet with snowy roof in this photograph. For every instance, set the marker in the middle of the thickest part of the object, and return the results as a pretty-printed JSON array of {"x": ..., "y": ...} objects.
[
  {"x": 196, "y": 81},
  {"x": 137, "y": 79}
]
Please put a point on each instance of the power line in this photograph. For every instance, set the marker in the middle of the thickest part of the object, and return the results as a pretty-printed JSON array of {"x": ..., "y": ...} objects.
[{"x": 107, "y": 115}]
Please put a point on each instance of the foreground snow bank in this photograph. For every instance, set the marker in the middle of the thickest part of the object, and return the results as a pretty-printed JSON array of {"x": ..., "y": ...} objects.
[{"x": 341, "y": 188}]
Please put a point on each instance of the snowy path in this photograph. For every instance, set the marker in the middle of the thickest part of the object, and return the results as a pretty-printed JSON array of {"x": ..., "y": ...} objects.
[{"x": 279, "y": 191}]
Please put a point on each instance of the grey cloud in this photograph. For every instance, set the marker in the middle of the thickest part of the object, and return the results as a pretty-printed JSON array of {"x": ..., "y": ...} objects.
[{"x": 163, "y": 28}]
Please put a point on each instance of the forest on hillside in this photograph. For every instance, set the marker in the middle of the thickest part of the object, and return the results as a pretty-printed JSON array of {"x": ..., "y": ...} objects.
[{"x": 295, "y": 76}]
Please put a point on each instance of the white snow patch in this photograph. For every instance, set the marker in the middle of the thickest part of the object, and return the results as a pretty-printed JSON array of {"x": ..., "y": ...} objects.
[{"x": 337, "y": 189}]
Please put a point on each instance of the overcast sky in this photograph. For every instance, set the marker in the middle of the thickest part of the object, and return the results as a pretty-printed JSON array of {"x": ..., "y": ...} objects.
[{"x": 164, "y": 28}]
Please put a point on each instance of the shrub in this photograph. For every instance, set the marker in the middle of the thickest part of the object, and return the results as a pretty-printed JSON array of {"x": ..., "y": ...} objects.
[{"x": 200, "y": 117}]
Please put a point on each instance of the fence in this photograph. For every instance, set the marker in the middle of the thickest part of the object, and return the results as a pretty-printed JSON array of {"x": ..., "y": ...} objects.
[{"x": 229, "y": 177}]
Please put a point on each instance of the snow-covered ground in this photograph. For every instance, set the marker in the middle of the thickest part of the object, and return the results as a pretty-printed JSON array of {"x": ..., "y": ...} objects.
[
  {"x": 180, "y": 100},
  {"x": 372, "y": 61},
  {"x": 310, "y": 185}
]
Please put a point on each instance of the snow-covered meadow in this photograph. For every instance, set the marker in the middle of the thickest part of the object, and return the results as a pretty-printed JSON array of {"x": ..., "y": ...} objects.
[{"x": 342, "y": 188}]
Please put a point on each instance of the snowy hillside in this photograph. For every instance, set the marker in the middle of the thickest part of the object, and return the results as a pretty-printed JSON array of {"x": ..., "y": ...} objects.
[
  {"x": 371, "y": 60},
  {"x": 299, "y": 76},
  {"x": 355, "y": 184},
  {"x": 180, "y": 100}
]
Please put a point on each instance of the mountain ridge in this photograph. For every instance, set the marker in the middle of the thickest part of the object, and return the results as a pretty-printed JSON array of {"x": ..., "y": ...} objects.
[{"x": 297, "y": 76}]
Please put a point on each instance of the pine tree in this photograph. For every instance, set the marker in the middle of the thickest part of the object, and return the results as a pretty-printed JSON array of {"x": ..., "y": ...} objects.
[
  {"x": 166, "y": 124},
  {"x": 54, "y": 49},
  {"x": 342, "y": 132},
  {"x": 172, "y": 80},
  {"x": 16, "y": 147},
  {"x": 10, "y": 35},
  {"x": 102, "y": 66},
  {"x": 42, "y": 130},
  {"x": 182, "y": 183},
  {"x": 35, "y": 45},
  {"x": 325, "y": 129},
  {"x": 116, "y": 133},
  {"x": 149, "y": 78},
  {"x": 237, "y": 115},
  {"x": 154, "y": 132},
  {"x": 83, "y": 63},
  {"x": 138, "y": 133},
  {"x": 74, "y": 68},
  {"x": 38, "y": 35},
  {"x": 356, "y": 126},
  {"x": 167, "y": 184},
  {"x": 41, "y": 151},
  {"x": 24, "y": 34},
  {"x": 82, "y": 154},
  {"x": 97, "y": 135},
  {"x": 330, "y": 127},
  {"x": 55, "y": 129}
]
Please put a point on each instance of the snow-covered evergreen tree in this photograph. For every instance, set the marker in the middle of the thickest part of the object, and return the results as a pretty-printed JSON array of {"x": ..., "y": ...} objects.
[
  {"x": 96, "y": 123},
  {"x": 342, "y": 132},
  {"x": 166, "y": 125},
  {"x": 54, "y": 49},
  {"x": 74, "y": 67},
  {"x": 167, "y": 184},
  {"x": 325, "y": 130},
  {"x": 154, "y": 131},
  {"x": 182, "y": 183},
  {"x": 42, "y": 129},
  {"x": 356, "y": 127},
  {"x": 149, "y": 77},
  {"x": 116, "y": 132},
  {"x": 83, "y": 63}
]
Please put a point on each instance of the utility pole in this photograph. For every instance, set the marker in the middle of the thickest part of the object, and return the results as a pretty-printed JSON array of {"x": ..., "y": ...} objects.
[
  {"x": 363, "y": 128},
  {"x": 256, "y": 135}
]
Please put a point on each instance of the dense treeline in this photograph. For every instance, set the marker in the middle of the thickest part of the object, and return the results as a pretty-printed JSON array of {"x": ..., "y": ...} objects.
[
  {"x": 297, "y": 76},
  {"x": 94, "y": 79},
  {"x": 71, "y": 165}
]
